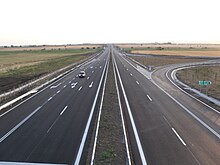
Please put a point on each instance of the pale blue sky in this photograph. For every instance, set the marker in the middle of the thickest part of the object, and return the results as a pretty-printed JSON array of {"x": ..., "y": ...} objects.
[{"x": 104, "y": 21}]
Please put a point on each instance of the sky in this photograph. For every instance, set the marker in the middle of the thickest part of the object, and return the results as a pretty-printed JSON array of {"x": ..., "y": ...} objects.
[{"x": 27, "y": 22}]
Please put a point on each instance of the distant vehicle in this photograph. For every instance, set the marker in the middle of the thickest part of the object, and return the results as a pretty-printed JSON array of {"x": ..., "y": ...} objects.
[{"x": 82, "y": 74}]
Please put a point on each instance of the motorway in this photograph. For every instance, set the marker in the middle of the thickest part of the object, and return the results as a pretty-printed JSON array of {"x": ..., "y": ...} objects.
[
  {"x": 168, "y": 134},
  {"x": 52, "y": 125}
]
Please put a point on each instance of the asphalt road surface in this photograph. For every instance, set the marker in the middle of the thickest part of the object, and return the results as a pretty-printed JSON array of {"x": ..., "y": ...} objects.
[
  {"x": 168, "y": 133},
  {"x": 53, "y": 126},
  {"x": 49, "y": 127}
]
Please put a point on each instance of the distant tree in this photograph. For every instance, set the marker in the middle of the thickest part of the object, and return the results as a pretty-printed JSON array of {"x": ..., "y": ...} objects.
[
  {"x": 12, "y": 46},
  {"x": 87, "y": 48},
  {"x": 82, "y": 47}
]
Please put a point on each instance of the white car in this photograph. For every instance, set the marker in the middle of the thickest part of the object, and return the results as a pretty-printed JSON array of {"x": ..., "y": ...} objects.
[{"x": 82, "y": 74}]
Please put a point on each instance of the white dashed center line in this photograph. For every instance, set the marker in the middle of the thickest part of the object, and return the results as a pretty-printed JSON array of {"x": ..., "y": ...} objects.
[
  {"x": 63, "y": 110},
  {"x": 137, "y": 82},
  {"x": 80, "y": 88},
  {"x": 149, "y": 97}
]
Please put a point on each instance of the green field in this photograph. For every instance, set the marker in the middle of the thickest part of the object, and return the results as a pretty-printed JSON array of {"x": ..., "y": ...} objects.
[{"x": 20, "y": 66}]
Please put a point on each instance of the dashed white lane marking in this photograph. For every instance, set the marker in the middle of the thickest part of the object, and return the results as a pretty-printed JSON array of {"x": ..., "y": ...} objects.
[
  {"x": 49, "y": 99},
  {"x": 149, "y": 98},
  {"x": 64, "y": 86},
  {"x": 87, "y": 78},
  {"x": 58, "y": 91},
  {"x": 131, "y": 74},
  {"x": 179, "y": 137},
  {"x": 70, "y": 82},
  {"x": 63, "y": 110},
  {"x": 137, "y": 82},
  {"x": 80, "y": 88},
  {"x": 90, "y": 86}
]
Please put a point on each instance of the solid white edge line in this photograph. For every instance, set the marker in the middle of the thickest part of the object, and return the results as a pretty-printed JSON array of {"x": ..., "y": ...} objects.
[
  {"x": 187, "y": 92},
  {"x": 79, "y": 154},
  {"x": 18, "y": 125},
  {"x": 188, "y": 111},
  {"x": 192, "y": 114},
  {"x": 50, "y": 82},
  {"x": 99, "y": 116},
  {"x": 141, "y": 152},
  {"x": 179, "y": 137},
  {"x": 122, "y": 118},
  {"x": 49, "y": 99}
]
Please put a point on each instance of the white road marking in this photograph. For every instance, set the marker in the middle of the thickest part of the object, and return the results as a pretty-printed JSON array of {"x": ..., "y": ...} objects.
[
  {"x": 80, "y": 88},
  {"x": 87, "y": 78},
  {"x": 73, "y": 85},
  {"x": 49, "y": 98},
  {"x": 137, "y": 82},
  {"x": 93, "y": 71},
  {"x": 149, "y": 97},
  {"x": 58, "y": 91},
  {"x": 79, "y": 154},
  {"x": 55, "y": 86},
  {"x": 64, "y": 86},
  {"x": 98, "y": 122},
  {"x": 63, "y": 110},
  {"x": 100, "y": 67},
  {"x": 122, "y": 118},
  {"x": 131, "y": 74},
  {"x": 140, "y": 149},
  {"x": 179, "y": 137},
  {"x": 127, "y": 69},
  {"x": 70, "y": 82},
  {"x": 90, "y": 86},
  {"x": 192, "y": 114},
  {"x": 17, "y": 126}
]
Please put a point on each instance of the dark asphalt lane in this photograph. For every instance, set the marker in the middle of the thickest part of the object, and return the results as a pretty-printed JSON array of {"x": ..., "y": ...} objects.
[
  {"x": 159, "y": 119},
  {"x": 48, "y": 128}
]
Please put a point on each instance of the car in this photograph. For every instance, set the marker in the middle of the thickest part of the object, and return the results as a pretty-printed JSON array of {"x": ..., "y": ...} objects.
[{"x": 82, "y": 74}]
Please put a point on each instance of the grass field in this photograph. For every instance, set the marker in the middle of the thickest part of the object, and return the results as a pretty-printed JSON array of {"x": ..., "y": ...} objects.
[
  {"x": 192, "y": 76},
  {"x": 20, "y": 66}
]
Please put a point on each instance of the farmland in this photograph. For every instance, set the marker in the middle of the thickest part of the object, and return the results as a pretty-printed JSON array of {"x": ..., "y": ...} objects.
[{"x": 20, "y": 65}]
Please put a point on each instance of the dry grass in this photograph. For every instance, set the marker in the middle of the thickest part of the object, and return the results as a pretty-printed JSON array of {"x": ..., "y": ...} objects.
[
  {"x": 163, "y": 61},
  {"x": 192, "y": 76},
  {"x": 203, "y": 50},
  {"x": 50, "y": 47},
  {"x": 196, "y": 53},
  {"x": 16, "y": 59},
  {"x": 141, "y": 46}
]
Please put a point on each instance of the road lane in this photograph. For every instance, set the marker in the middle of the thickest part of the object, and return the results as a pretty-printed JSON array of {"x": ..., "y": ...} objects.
[
  {"x": 160, "y": 142},
  {"x": 52, "y": 133}
]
